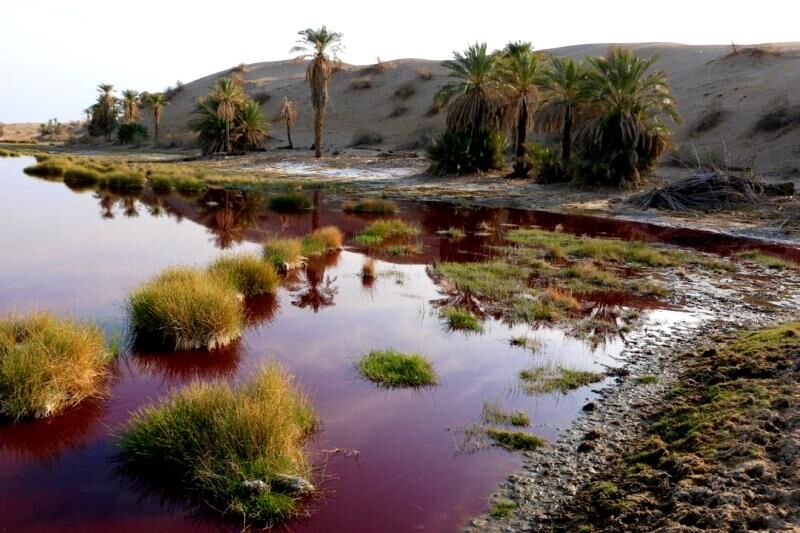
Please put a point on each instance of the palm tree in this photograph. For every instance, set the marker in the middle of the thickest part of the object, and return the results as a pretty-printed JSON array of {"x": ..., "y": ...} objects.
[
  {"x": 288, "y": 117},
  {"x": 156, "y": 101},
  {"x": 130, "y": 106},
  {"x": 229, "y": 97},
  {"x": 562, "y": 83},
  {"x": 251, "y": 125},
  {"x": 319, "y": 45},
  {"x": 627, "y": 105},
  {"x": 474, "y": 99},
  {"x": 517, "y": 72},
  {"x": 108, "y": 103}
]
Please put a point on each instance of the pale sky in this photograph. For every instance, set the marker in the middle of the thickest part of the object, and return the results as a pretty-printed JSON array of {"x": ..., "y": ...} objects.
[{"x": 54, "y": 52}]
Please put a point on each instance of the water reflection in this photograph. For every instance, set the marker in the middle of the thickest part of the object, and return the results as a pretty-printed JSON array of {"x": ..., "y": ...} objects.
[
  {"x": 230, "y": 214},
  {"x": 314, "y": 289}
]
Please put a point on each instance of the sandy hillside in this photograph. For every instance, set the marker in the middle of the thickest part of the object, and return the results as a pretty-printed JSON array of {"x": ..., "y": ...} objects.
[{"x": 20, "y": 131}]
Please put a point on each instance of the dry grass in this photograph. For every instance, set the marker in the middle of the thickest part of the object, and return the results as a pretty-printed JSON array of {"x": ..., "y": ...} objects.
[
  {"x": 49, "y": 364},
  {"x": 239, "y": 452},
  {"x": 246, "y": 273},
  {"x": 370, "y": 205},
  {"x": 322, "y": 241},
  {"x": 283, "y": 253},
  {"x": 185, "y": 309}
]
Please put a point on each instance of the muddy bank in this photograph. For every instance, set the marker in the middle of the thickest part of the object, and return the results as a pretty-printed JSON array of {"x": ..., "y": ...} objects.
[{"x": 584, "y": 481}]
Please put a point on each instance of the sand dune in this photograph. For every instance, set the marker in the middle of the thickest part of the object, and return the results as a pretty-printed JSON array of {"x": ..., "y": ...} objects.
[{"x": 741, "y": 87}]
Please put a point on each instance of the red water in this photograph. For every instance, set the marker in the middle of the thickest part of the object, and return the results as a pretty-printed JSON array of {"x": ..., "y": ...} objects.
[{"x": 81, "y": 253}]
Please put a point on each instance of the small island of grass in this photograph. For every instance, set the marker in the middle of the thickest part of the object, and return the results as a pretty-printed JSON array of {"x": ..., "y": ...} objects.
[{"x": 393, "y": 369}]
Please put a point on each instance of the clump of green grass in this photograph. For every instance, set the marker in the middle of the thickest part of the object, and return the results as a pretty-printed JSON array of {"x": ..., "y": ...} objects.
[
  {"x": 283, "y": 253},
  {"x": 322, "y": 241},
  {"x": 79, "y": 175},
  {"x": 165, "y": 181},
  {"x": 452, "y": 233},
  {"x": 646, "y": 379},
  {"x": 461, "y": 320},
  {"x": 386, "y": 229},
  {"x": 290, "y": 201},
  {"x": 371, "y": 205},
  {"x": 391, "y": 368},
  {"x": 546, "y": 379},
  {"x": 493, "y": 414},
  {"x": 247, "y": 273},
  {"x": 529, "y": 343},
  {"x": 186, "y": 309},
  {"x": 502, "y": 508},
  {"x": 769, "y": 261},
  {"x": 9, "y": 153},
  {"x": 48, "y": 364},
  {"x": 515, "y": 440},
  {"x": 48, "y": 168},
  {"x": 122, "y": 179},
  {"x": 235, "y": 451}
]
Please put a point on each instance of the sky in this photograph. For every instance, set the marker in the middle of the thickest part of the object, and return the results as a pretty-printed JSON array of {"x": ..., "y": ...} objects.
[{"x": 55, "y": 52}]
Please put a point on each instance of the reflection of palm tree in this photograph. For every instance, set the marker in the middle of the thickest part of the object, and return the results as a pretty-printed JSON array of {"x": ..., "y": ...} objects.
[
  {"x": 129, "y": 207},
  {"x": 107, "y": 202},
  {"x": 603, "y": 320},
  {"x": 156, "y": 209},
  {"x": 319, "y": 290},
  {"x": 232, "y": 217}
]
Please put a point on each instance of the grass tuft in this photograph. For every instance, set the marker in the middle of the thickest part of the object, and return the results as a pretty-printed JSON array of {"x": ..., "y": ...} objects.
[
  {"x": 186, "y": 309},
  {"x": 291, "y": 201},
  {"x": 546, "y": 379},
  {"x": 393, "y": 369},
  {"x": 48, "y": 168},
  {"x": 49, "y": 364},
  {"x": 769, "y": 261},
  {"x": 386, "y": 229},
  {"x": 461, "y": 320},
  {"x": 246, "y": 273},
  {"x": 237, "y": 451},
  {"x": 322, "y": 241},
  {"x": 515, "y": 440},
  {"x": 371, "y": 205},
  {"x": 502, "y": 508},
  {"x": 493, "y": 414},
  {"x": 283, "y": 253}
]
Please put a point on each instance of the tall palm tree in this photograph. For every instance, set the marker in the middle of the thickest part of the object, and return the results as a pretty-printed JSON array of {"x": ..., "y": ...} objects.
[
  {"x": 130, "y": 106},
  {"x": 229, "y": 96},
  {"x": 517, "y": 72},
  {"x": 625, "y": 124},
  {"x": 156, "y": 101},
  {"x": 288, "y": 117},
  {"x": 108, "y": 103},
  {"x": 563, "y": 87},
  {"x": 473, "y": 99},
  {"x": 251, "y": 125},
  {"x": 322, "y": 46}
]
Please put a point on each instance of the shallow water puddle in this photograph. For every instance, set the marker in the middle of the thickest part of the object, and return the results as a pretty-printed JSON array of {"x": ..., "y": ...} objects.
[{"x": 388, "y": 460}]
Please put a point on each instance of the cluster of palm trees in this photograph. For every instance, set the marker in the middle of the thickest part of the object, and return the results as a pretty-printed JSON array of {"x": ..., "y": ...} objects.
[
  {"x": 611, "y": 109},
  {"x": 109, "y": 111},
  {"x": 229, "y": 120}
]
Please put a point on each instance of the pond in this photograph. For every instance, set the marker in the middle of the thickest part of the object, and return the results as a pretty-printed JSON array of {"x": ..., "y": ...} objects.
[{"x": 386, "y": 460}]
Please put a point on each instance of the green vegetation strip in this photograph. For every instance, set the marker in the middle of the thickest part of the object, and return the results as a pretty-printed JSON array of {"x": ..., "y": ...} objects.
[
  {"x": 238, "y": 452},
  {"x": 394, "y": 369},
  {"x": 48, "y": 364},
  {"x": 546, "y": 379}
]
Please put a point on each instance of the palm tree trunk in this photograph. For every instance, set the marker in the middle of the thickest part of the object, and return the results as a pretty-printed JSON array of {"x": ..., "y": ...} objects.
[
  {"x": 566, "y": 140},
  {"x": 289, "y": 134},
  {"x": 319, "y": 119},
  {"x": 522, "y": 167},
  {"x": 156, "y": 128},
  {"x": 227, "y": 137}
]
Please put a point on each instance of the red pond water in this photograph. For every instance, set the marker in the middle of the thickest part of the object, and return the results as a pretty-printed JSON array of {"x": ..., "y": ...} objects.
[{"x": 82, "y": 252}]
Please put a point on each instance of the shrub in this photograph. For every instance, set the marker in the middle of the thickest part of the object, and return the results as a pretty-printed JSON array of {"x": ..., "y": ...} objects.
[
  {"x": 366, "y": 138},
  {"x": 49, "y": 364},
  {"x": 291, "y": 201},
  {"x": 424, "y": 74},
  {"x": 777, "y": 116},
  {"x": 371, "y": 205},
  {"x": 132, "y": 133},
  {"x": 460, "y": 153},
  {"x": 546, "y": 163},
  {"x": 262, "y": 97},
  {"x": 246, "y": 273},
  {"x": 405, "y": 91},
  {"x": 282, "y": 252},
  {"x": 709, "y": 119},
  {"x": 361, "y": 84},
  {"x": 185, "y": 309},
  {"x": 393, "y": 369},
  {"x": 322, "y": 241},
  {"x": 237, "y": 451},
  {"x": 398, "y": 111}
]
